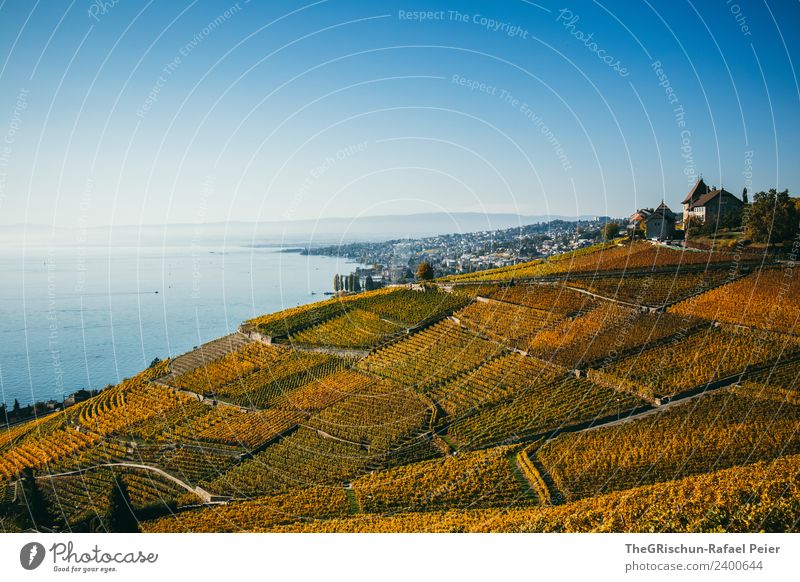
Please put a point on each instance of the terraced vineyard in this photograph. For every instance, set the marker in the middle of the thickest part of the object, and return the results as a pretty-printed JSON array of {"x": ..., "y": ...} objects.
[
  {"x": 208, "y": 352},
  {"x": 768, "y": 299},
  {"x": 430, "y": 356},
  {"x": 263, "y": 387},
  {"x": 780, "y": 383},
  {"x": 14, "y": 433},
  {"x": 377, "y": 319},
  {"x": 606, "y": 333},
  {"x": 125, "y": 406},
  {"x": 475, "y": 404},
  {"x": 718, "y": 431},
  {"x": 376, "y": 416},
  {"x": 37, "y": 452},
  {"x": 228, "y": 368},
  {"x": 541, "y": 407},
  {"x": 64, "y": 435},
  {"x": 399, "y": 305},
  {"x": 539, "y": 267},
  {"x": 505, "y": 377},
  {"x": 471, "y": 480},
  {"x": 101, "y": 453},
  {"x": 413, "y": 307},
  {"x": 294, "y": 319},
  {"x": 85, "y": 496},
  {"x": 258, "y": 375},
  {"x": 260, "y": 514},
  {"x": 655, "y": 290},
  {"x": 506, "y": 322},
  {"x": 324, "y": 392},
  {"x": 305, "y": 459},
  {"x": 360, "y": 432},
  {"x": 248, "y": 430},
  {"x": 758, "y": 497},
  {"x": 192, "y": 465},
  {"x": 697, "y": 360},
  {"x": 622, "y": 256},
  {"x": 553, "y": 298},
  {"x": 356, "y": 329},
  {"x": 180, "y": 424}
]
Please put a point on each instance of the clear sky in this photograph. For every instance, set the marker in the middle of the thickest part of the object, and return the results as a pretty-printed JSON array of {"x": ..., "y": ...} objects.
[{"x": 133, "y": 112}]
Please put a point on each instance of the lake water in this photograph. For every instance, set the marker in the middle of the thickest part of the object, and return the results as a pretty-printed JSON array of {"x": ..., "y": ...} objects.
[{"x": 73, "y": 318}]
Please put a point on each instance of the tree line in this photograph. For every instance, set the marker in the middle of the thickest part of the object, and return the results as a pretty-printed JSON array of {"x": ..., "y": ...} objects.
[
  {"x": 773, "y": 217},
  {"x": 352, "y": 283}
]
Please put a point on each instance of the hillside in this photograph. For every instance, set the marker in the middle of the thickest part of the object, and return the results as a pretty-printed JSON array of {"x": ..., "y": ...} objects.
[{"x": 623, "y": 387}]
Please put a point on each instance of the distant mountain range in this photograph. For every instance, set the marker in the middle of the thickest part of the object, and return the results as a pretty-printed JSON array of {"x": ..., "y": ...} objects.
[{"x": 293, "y": 232}]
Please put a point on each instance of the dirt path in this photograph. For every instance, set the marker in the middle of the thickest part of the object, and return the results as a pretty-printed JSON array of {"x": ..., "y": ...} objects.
[
  {"x": 610, "y": 299},
  {"x": 642, "y": 411},
  {"x": 199, "y": 491}
]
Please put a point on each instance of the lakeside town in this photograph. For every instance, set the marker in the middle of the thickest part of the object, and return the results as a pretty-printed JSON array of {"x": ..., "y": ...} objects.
[
  {"x": 395, "y": 261},
  {"x": 707, "y": 215}
]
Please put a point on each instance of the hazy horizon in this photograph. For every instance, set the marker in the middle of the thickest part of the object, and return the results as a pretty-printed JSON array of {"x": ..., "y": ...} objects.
[
  {"x": 327, "y": 218},
  {"x": 243, "y": 233}
]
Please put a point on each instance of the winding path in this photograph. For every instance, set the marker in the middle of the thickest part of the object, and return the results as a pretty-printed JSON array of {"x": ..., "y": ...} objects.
[{"x": 199, "y": 491}]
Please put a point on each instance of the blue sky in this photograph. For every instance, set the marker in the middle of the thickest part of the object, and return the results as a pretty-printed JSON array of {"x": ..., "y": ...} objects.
[{"x": 175, "y": 112}]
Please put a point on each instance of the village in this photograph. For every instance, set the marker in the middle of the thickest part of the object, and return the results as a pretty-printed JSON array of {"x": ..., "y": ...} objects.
[{"x": 705, "y": 212}]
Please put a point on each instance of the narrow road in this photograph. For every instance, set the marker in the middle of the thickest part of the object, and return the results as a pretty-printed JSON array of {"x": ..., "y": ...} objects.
[
  {"x": 556, "y": 497},
  {"x": 610, "y": 299},
  {"x": 199, "y": 491},
  {"x": 640, "y": 412},
  {"x": 325, "y": 435}
]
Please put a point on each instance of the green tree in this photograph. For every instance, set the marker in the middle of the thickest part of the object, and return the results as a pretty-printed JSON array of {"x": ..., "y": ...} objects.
[
  {"x": 695, "y": 227},
  {"x": 369, "y": 284},
  {"x": 39, "y": 513},
  {"x": 119, "y": 516},
  {"x": 731, "y": 219},
  {"x": 337, "y": 282},
  {"x": 772, "y": 218},
  {"x": 610, "y": 230},
  {"x": 424, "y": 271}
]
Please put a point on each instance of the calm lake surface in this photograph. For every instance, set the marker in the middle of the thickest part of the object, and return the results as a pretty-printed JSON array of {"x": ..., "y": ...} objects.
[{"x": 74, "y": 318}]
